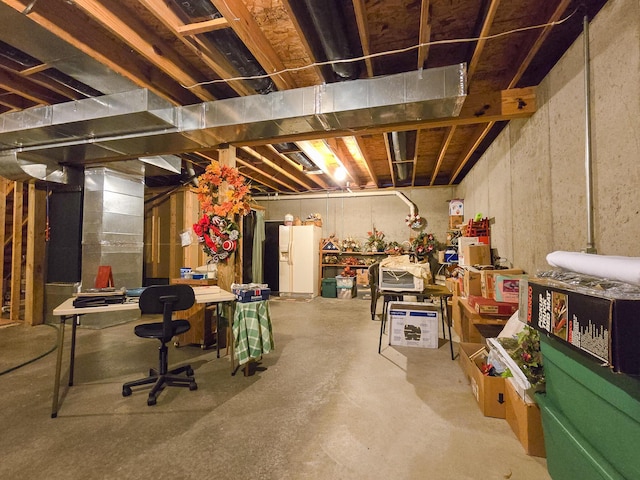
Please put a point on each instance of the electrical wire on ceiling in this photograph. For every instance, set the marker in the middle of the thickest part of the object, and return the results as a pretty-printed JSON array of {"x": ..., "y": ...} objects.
[{"x": 387, "y": 53}]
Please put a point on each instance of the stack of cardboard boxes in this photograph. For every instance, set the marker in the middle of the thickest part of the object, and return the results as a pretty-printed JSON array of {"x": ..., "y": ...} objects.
[{"x": 492, "y": 294}]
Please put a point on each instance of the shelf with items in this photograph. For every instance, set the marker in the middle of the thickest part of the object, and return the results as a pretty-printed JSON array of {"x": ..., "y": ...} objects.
[{"x": 332, "y": 262}]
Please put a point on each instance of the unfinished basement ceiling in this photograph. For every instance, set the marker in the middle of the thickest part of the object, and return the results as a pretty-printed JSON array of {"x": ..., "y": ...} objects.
[{"x": 192, "y": 54}]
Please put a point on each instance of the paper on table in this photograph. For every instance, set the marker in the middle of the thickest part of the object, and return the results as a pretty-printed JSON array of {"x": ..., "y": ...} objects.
[{"x": 613, "y": 267}]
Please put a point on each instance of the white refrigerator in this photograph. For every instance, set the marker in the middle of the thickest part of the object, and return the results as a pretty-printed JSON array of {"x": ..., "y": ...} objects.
[{"x": 299, "y": 261}]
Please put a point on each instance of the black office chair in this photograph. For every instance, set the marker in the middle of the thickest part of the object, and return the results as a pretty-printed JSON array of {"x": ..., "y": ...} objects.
[{"x": 164, "y": 299}]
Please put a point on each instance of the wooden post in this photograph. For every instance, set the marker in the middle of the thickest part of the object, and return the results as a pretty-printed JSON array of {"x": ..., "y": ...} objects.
[
  {"x": 34, "y": 273},
  {"x": 227, "y": 270},
  {"x": 16, "y": 252},
  {"x": 4, "y": 189}
]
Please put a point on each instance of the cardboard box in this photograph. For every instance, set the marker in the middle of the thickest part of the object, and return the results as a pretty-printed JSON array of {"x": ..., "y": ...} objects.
[
  {"x": 464, "y": 241},
  {"x": 471, "y": 281},
  {"x": 523, "y": 416},
  {"x": 413, "y": 324},
  {"x": 486, "y": 306},
  {"x": 477, "y": 254},
  {"x": 454, "y": 285},
  {"x": 605, "y": 328},
  {"x": 507, "y": 287},
  {"x": 254, "y": 295},
  {"x": 455, "y": 220},
  {"x": 488, "y": 282},
  {"x": 488, "y": 391}
]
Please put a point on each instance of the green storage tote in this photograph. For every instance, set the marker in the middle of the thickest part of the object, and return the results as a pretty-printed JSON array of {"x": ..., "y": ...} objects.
[
  {"x": 329, "y": 289},
  {"x": 590, "y": 416}
]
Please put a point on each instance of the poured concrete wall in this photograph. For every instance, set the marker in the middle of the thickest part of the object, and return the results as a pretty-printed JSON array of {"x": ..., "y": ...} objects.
[
  {"x": 355, "y": 216},
  {"x": 531, "y": 181}
]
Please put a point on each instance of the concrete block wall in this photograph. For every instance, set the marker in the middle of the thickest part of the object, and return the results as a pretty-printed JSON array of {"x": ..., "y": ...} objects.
[{"x": 531, "y": 180}]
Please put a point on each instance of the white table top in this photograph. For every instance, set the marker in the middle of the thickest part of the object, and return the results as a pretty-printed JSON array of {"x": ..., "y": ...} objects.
[{"x": 205, "y": 294}]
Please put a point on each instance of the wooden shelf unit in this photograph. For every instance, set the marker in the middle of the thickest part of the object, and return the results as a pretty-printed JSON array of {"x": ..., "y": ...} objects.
[{"x": 363, "y": 255}]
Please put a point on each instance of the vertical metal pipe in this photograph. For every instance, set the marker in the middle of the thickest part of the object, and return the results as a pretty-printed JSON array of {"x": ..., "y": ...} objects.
[{"x": 587, "y": 143}]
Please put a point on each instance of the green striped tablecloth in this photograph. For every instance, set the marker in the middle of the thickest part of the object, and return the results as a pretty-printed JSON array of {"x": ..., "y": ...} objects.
[{"x": 252, "y": 334}]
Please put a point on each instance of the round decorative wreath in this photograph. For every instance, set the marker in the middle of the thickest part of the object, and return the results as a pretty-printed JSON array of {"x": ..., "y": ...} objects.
[
  {"x": 236, "y": 197},
  {"x": 218, "y": 235},
  {"x": 415, "y": 222}
]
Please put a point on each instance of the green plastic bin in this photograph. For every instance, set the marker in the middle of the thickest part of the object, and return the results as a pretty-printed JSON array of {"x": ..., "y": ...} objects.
[
  {"x": 590, "y": 417},
  {"x": 329, "y": 289}
]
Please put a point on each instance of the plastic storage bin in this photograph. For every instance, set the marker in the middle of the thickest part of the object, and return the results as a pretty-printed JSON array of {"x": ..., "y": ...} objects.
[
  {"x": 329, "y": 288},
  {"x": 590, "y": 417},
  {"x": 346, "y": 287}
]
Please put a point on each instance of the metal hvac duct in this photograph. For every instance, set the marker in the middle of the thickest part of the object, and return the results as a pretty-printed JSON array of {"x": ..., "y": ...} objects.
[
  {"x": 24, "y": 34},
  {"x": 328, "y": 22},
  {"x": 134, "y": 124},
  {"x": 387, "y": 100}
]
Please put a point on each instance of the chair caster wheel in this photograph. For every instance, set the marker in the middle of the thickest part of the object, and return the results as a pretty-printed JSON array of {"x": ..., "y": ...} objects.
[
  {"x": 189, "y": 372},
  {"x": 193, "y": 386},
  {"x": 126, "y": 391},
  {"x": 151, "y": 401}
]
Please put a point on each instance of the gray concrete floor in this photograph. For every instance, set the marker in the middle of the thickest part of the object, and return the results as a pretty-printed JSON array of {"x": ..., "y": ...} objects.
[{"x": 323, "y": 405}]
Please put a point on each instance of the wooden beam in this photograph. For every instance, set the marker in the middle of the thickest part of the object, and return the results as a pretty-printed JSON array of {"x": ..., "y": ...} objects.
[
  {"x": 443, "y": 150},
  {"x": 210, "y": 56},
  {"x": 425, "y": 34},
  {"x": 202, "y": 27},
  {"x": 68, "y": 23},
  {"x": 533, "y": 51},
  {"x": 471, "y": 147},
  {"x": 367, "y": 161},
  {"x": 244, "y": 25},
  {"x": 28, "y": 89},
  {"x": 127, "y": 27},
  {"x": 286, "y": 4},
  {"x": 278, "y": 169},
  {"x": 34, "y": 271},
  {"x": 389, "y": 158},
  {"x": 360, "y": 10},
  {"x": 484, "y": 32}
]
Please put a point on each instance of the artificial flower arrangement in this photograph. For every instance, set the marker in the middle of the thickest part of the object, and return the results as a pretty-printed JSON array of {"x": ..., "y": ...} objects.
[
  {"x": 216, "y": 230},
  {"x": 425, "y": 244},
  {"x": 375, "y": 241},
  {"x": 394, "y": 248},
  {"x": 525, "y": 351},
  {"x": 350, "y": 244}
]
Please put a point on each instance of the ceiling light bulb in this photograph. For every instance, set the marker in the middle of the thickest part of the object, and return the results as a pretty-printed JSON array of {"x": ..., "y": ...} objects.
[{"x": 340, "y": 174}]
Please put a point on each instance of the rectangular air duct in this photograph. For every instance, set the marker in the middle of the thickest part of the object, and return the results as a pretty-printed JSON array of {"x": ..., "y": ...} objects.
[{"x": 138, "y": 123}]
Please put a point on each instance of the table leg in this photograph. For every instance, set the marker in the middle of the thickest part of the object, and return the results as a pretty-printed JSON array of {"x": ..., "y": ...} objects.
[
  {"x": 443, "y": 309},
  {"x": 381, "y": 330},
  {"x": 56, "y": 384},
  {"x": 218, "y": 305},
  {"x": 74, "y": 327}
]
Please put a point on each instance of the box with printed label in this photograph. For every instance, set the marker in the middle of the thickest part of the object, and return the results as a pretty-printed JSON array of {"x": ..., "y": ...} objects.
[
  {"x": 507, "y": 287},
  {"x": 488, "y": 281},
  {"x": 413, "y": 324},
  {"x": 606, "y": 328},
  {"x": 485, "y": 306},
  {"x": 488, "y": 391},
  {"x": 254, "y": 295}
]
